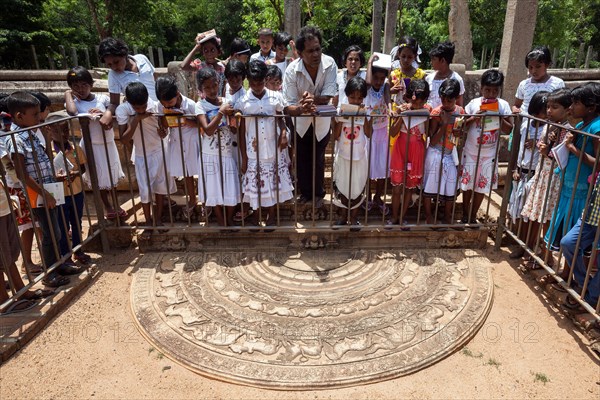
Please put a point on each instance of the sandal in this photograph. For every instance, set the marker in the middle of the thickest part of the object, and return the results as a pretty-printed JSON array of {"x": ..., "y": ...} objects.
[
  {"x": 110, "y": 215},
  {"x": 82, "y": 257},
  {"x": 239, "y": 217},
  {"x": 529, "y": 265},
  {"x": 122, "y": 213},
  {"x": 188, "y": 211},
  {"x": 34, "y": 269},
  {"x": 146, "y": 234},
  {"x": 19, "y": 306},
  {"x": 572, "y": 306},
  {"x": 55, "y": 281},
  {"x": 39, "y": 294},
  {"x": 383, "y": 208}
]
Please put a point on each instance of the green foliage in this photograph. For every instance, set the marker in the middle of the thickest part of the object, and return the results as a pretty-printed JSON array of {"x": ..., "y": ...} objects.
[{"x": 173, "y": 24}]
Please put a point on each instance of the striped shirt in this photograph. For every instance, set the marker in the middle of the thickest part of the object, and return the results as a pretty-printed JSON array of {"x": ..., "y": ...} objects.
[{"x": 31, "y": 149}]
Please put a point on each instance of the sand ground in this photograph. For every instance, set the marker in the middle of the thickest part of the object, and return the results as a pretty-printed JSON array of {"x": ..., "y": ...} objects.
[{"x": 526, "y": 349}]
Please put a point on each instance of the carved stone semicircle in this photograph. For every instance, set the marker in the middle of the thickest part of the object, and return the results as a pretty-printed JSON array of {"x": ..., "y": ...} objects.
[{"x": 311, "y": 319}]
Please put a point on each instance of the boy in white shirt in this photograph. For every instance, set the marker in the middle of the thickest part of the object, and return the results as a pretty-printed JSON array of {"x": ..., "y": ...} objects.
[{"x": 137, "y": 122}]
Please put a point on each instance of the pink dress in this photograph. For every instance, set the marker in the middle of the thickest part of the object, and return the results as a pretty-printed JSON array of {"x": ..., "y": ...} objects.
[{"x": 413, "y": 162}]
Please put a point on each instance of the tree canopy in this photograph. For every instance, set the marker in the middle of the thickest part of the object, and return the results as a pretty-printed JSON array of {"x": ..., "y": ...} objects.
[{"x": 173, "y": 24}]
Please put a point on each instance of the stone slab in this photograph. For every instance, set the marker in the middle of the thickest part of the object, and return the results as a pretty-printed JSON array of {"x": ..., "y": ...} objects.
[{"x": 302, "y": 320}]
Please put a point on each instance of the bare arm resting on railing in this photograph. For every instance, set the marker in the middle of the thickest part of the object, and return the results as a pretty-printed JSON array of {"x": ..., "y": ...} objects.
[
  {"x": 210, "y": 128},
  {"x": 588, "y": 159}
]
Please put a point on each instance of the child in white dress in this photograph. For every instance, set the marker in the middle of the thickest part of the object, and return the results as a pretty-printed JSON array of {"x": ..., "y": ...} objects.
[
  {"x": 218, "y": 184},
  {"x": 263, "y": 142},
  {"x": 377, "y": 105},
  {"x": 350, "y": 165},
  {"x": 184, "y": 147},
  {"x": 79, "y": 99}
]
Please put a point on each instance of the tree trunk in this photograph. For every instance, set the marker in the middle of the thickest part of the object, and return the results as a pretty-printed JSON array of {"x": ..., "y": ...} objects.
[
  {"x": 377, "y": 17},
  {"x": 459, "y": 25},
  {"x": 292, "y": 14},
  {"x": 391, "y": 18}
]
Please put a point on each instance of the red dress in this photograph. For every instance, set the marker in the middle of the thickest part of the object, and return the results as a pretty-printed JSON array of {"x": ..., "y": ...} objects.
[{"x": 414, "y": 162}]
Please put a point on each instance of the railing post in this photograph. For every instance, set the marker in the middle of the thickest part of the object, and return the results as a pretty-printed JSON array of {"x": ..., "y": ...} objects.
[{"x": 91, "y": 165}]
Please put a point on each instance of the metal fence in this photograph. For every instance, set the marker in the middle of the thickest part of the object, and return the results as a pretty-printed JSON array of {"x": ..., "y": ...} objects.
[
  {"x": 567, "y": 194},
  {"x": 318, "y": 214}
]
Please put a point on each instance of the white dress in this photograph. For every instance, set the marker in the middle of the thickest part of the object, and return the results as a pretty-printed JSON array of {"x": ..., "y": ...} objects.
[
  {"x": 184, "y": 144},
  {"x": 268, "y": 165},
  {"x": 380, "y": 159},
  {"x": 106, "y": 158},
  {"x": 350, "y": 158},
  {"x": 218, "y": 183}
]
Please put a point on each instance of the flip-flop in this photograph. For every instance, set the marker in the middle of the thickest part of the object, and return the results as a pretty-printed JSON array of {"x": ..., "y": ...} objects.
[
  {"x": 122, "y": 213},
  {"x": 19, "y": 306},
  {"x": 39, "y": 294},
  {"x": 111, "y": 215}
]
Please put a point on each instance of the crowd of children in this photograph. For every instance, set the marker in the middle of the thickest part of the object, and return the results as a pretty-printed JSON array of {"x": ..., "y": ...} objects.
[{"x": 407, "y": 129}]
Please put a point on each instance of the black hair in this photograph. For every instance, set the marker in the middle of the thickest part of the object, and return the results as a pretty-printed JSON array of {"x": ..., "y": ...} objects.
[
  {"x": 377, "y": 70},
  {"x": 273, "y": 72},
  {"x": 205, "y": 74},
  {"x": 588, "y": 95},
  {"x": 561, "y": 96},
  {"x": 239, "y": 45},
  {"x": 538, "y": 102},
  {"x": 216, "y": 42},
  {"x": 265, "y": 32},
  {"x": 79, "y": 74},
  {"x": 136, "y": 94},
  {"x": 235, "y": 68},
  {"x": 419, "y": 88},
  {"x": 3, "y": 106},
  {"x": 307, "y": 33},
  {"x": 112, "y": 47},
  {"x": 540, "y": 54},
  {"x": 449, "y": 89},
  {"x": 166, "y": 88},
  {"x": 20, "y": 102},
  {"x": 350, "y": 49},
  {"x": 492, "y": 77},
  {"x": 443, "y": 50},
  {"x": 44, "y": 100},
  {"x": 257, "y": 70},
  {"x": 283, "y": 38},
  {"x": 410, "y": 42},
  {"x": 356, "y": 84}
]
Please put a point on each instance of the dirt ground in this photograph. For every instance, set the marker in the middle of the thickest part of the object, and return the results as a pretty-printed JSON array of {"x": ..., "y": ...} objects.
[{"x": 526, "y": 349}]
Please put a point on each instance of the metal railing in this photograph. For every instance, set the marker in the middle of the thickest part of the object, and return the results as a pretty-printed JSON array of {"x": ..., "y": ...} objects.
[{"x": 561, "y": 206}]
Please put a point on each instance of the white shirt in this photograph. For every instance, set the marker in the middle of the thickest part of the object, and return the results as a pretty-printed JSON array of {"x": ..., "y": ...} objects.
[
  {"x": 10, "y": 173},
  {"x": 187, "y": 107},
  {"x": 152, "y": 140},
  {"x": 223, "y": 136},
  {"x": 297, "y": 80},
  {"x": 117, "y": 82},
  {"x": 266, "y": 141},
  {"x": 100, "y": 102},
  {"x": 489, "y": 138},
  {"x": 527, "y": 89},
  {"x": 341, "y": 82},
  {"x": 235, "y": 97},
  {"x": 259, "y": 56},
  {"x": 434, "y": 87}
]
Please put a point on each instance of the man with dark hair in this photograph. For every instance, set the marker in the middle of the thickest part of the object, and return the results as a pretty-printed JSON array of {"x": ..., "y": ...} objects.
[{"x": 308, "y": 82}]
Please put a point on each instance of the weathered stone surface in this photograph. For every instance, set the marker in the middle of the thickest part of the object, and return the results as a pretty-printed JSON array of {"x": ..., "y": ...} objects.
[{"x": 310, "y": 319}]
